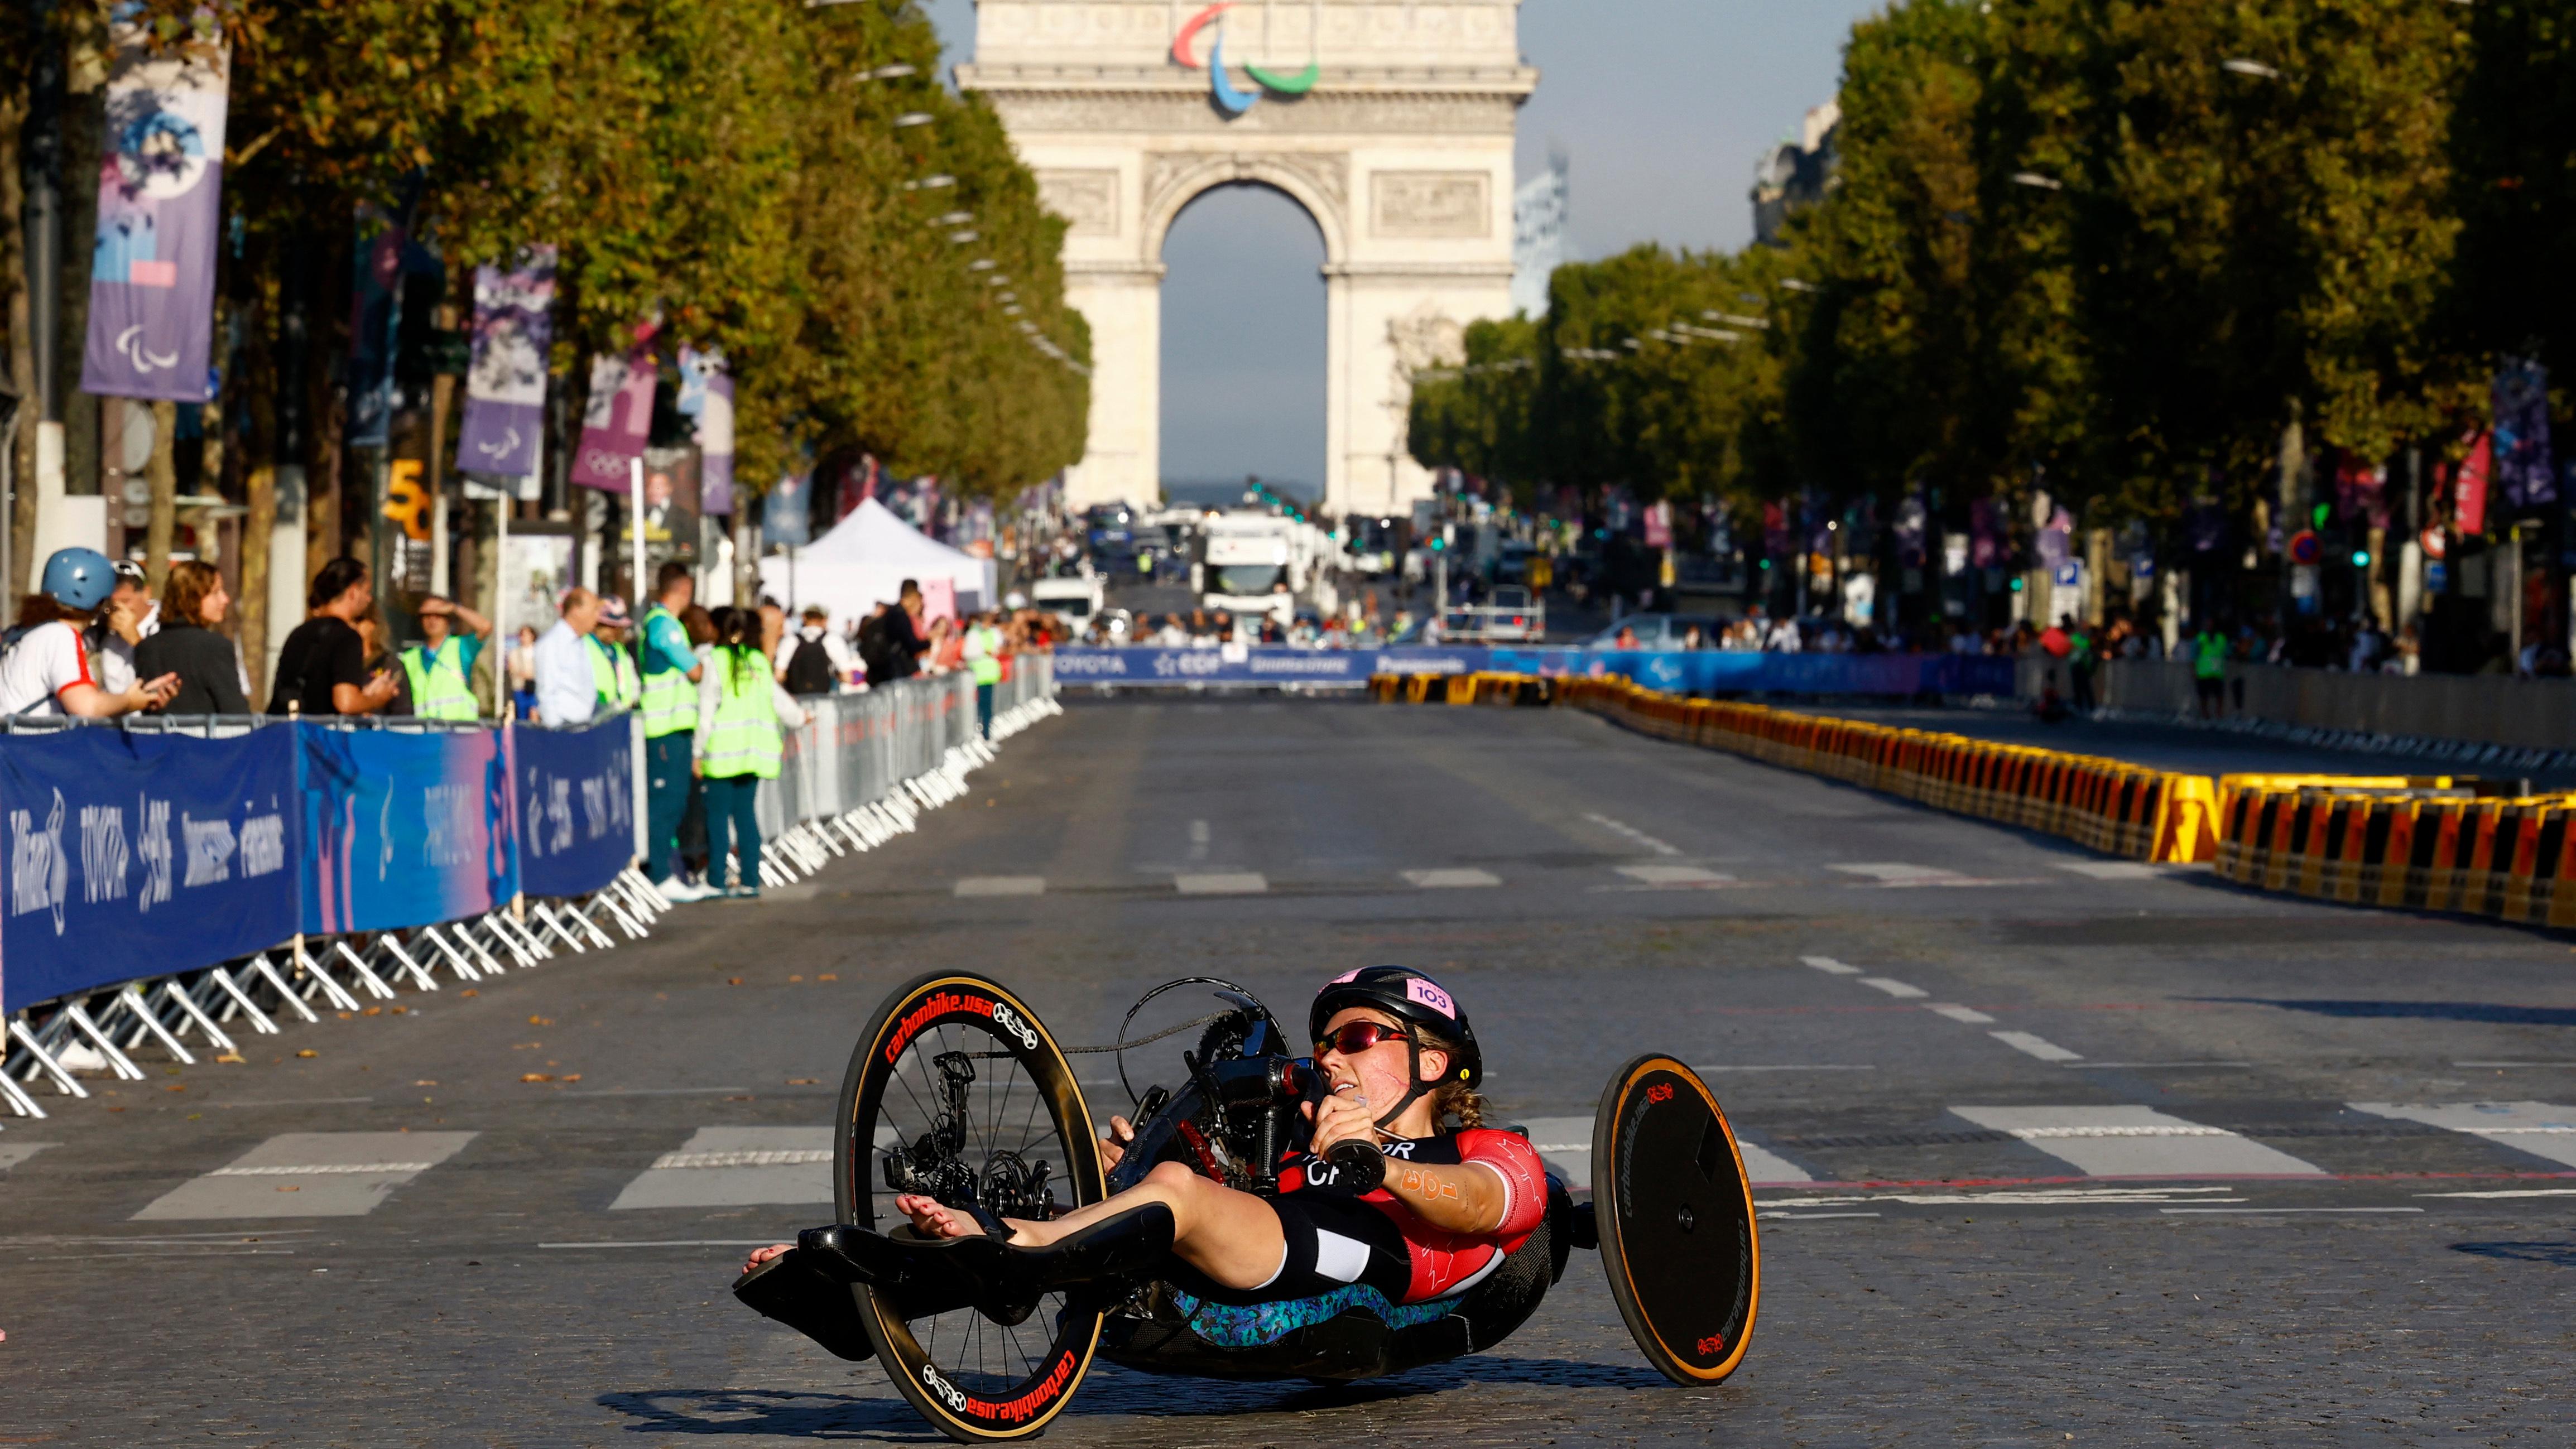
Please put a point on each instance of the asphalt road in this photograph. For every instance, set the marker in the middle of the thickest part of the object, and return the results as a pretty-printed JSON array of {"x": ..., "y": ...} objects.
[{"x": 2054, "y": 1150}]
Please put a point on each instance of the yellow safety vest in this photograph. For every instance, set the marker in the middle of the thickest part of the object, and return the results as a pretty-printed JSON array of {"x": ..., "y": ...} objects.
[
  {"x": 670, "y": 700},
  {"x": 612, "y": 673},
  {"x": 988, "y": 665},
  {"x": 438, "y": 687},
  {"x": 744, "y": 740}
]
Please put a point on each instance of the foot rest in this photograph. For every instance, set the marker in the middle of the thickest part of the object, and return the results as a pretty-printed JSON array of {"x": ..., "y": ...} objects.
[{"x": 789, "y": 1289}]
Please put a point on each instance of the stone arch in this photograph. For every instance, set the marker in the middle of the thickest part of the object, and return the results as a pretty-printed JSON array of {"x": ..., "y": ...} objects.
[{"x": 1318, "y": 182}]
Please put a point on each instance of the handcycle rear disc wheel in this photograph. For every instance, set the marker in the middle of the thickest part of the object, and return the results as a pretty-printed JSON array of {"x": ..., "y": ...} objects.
[
  {"x": 1023, "y": 1137},
  {"x": 1675, "y": 1214}
]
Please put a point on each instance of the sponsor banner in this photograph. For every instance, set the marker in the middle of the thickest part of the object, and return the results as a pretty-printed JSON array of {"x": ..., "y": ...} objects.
[
  {"x": 136, "y": 854},
  {"x": 160, "y": 190},
  {"x": 575, "y": 795},
  {"x": 505, "y": 386},
  {"x": 403, "y": 829},
  {"x": 706, "y": 395},
  {"x": 615, "y": 423},
  {"x": 1699, "y": 671}
]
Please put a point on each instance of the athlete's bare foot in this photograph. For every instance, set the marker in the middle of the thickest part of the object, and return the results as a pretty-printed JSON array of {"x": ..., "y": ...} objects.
[{"x": 763, "y": 1255}]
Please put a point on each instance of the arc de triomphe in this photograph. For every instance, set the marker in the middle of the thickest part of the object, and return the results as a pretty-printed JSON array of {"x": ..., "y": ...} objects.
[{"x": 1389, "y": 121}]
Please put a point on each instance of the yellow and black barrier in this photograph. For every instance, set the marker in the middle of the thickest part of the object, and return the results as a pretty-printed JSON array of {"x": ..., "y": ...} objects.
[
  {"x": 2429, "y": 844},
  {"x": 1478, "y": 688}
]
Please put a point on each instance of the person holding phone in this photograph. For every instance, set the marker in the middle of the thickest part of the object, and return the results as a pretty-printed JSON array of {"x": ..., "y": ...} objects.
[{"x": 322, "y": 667}]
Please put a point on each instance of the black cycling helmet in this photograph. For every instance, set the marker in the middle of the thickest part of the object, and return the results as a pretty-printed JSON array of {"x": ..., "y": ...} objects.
[{"x": 1413, "y": 998}]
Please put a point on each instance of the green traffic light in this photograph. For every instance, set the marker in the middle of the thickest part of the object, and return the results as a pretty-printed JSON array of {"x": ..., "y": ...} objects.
[
  {"x": 2361, "y": 558},
  {"x": 2016, "y": 586}
]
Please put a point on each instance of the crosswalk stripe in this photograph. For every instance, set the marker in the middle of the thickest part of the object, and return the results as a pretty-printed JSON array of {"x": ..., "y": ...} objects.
[
  {"x": 2038, "y": 1046},
  {"x": 1565, "y": 1144},
  {"x": 1968, "y": 1014},
  {"x": 1001, "y": 885},
  {"x": 1898, "y": 873},
  {"x": 1828, "y": 965},
  {"x": 2130, "y": 1141},
  {"x": 1222, "y": 883},
  {"x": 1903, "y": 991},
  {"x": 308, "y": 1175},
  {"x": 1674, "y": 875},
  {"x": 737, "y": 1167},
  {"x": 1460, "y": 879},
  {"x": 2115, "y": 869},
  {"x": 2543, "y": 1129},
  {"x": 13, "y": 1153}
]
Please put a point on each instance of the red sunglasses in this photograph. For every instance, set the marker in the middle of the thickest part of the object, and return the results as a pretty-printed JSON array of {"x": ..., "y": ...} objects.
[{"x": 1354, "y": 1037}]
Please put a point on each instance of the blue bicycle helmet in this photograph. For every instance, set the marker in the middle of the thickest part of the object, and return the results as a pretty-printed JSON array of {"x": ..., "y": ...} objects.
[{"x": 78, "y": 578}]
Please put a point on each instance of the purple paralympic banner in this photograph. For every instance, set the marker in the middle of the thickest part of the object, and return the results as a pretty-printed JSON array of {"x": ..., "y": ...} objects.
[
  {"x": 505, "y": 385},
  {"x": 2522, "y": 461},
  {"x": 137, "y": 854},
  {"x": 402, "y": 828},
  {"x": 575, "y": 792},
  {"x": 617, "y": 420},
  {"x": 160, "y": 195},
  {"x": 706, "y": 395}
]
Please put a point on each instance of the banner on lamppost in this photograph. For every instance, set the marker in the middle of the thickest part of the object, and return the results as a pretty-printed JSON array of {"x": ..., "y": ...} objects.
[
  {"x": 505, "y": 385},
  {"x": 2523, "y": 470},
  {"x": 2469, "y": 485},
  {"x": 616, "y": 422},
  {"x": 160, "y": 195},
  {"x": 706, "y": 395}
]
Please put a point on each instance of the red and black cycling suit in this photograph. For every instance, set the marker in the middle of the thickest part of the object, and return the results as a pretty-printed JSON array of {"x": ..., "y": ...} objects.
[{"x": 1337, "y": 1237}]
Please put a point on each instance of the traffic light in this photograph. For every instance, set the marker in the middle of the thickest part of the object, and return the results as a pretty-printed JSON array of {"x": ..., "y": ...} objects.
[
  {"x": 2019, "y": 583},
  {"x": 2361, "y": 558}
]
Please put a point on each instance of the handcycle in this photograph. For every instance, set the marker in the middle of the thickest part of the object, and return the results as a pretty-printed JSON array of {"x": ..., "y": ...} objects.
[{"x": 957, "y": 1091}]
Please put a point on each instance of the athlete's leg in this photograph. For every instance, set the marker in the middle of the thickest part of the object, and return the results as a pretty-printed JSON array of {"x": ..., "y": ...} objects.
[{"x": 1232, "y": 1237}]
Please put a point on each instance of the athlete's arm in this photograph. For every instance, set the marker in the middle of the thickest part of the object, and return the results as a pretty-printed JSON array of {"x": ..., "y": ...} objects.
[{"x": 1464, "y": 1198}]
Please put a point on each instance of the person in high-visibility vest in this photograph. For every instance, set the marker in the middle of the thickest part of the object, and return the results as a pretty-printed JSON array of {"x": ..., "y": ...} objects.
[
  {"x": 737, "y": 745},
  {"x": 984, "y": 659},
  {"x": 2209, "y": 668},
  {"x": 612, "y": 666},
  {"x": 670, "y": 705},
  {"x": 441, "y": 667}
]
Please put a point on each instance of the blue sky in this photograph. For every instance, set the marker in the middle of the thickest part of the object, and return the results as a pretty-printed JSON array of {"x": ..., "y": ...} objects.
[{"x": 1661, "y": 107}]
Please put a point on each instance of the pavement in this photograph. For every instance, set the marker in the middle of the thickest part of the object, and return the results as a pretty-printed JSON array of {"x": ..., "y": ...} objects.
[{"x": 2053, "y": 1149}]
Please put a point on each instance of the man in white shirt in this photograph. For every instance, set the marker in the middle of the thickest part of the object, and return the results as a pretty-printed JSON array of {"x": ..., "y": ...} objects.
[{"x": 567, "y": 689}]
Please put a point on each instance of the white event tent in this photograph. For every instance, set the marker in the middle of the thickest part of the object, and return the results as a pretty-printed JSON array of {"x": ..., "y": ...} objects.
[{"x": 864, "y": 560}]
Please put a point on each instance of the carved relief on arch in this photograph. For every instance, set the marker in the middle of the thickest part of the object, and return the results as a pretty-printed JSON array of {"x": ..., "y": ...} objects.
[{"x": 1319, "y": 180}]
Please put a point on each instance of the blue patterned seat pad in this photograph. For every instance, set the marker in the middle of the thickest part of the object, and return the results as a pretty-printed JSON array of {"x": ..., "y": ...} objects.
[{"x": 1229, "y": 1326}]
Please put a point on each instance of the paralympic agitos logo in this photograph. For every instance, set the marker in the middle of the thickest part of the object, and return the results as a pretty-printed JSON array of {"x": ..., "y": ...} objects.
[{"x": 1233, "y": 100}]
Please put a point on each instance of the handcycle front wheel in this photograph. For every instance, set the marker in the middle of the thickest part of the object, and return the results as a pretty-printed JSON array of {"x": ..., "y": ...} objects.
[
  {"x": 1675, "y": 1214},
  {"x": 958, "y": 1092}
]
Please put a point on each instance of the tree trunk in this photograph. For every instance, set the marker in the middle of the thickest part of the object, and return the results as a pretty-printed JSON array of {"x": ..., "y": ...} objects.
[
  {"x": 22, "y": 360},
  {"x": 163, "y": 472}
]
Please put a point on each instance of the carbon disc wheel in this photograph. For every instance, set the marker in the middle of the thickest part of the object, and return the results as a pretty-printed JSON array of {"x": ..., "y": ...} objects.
[
  {"x": 957, "y": 1092},
  {"x": 1676, "y": 1220}
]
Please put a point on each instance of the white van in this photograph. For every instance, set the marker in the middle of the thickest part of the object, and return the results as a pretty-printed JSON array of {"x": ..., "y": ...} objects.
[{"x": 1078, "y": 600}]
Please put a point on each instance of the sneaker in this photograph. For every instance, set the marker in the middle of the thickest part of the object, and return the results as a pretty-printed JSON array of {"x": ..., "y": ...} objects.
[
  {"x": 743, "y": 893},
  {"x": 680, "y": 892}
]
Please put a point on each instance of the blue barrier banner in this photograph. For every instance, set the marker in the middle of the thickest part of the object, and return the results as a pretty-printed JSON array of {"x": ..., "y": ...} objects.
[
  {"x": 142, "y": 854},
  {"x": 403, "y": 829},
  {"x": 575, "y": 798},
  {"x": 1697, "y": 671}
]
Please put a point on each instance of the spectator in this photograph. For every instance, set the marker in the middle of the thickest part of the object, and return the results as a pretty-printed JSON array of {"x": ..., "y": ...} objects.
[
  {"x": 522, "y": 666},
  {"x": 947, "y": 647},
  {"x": 813, "y": 666},
  {"x": 378, "y": 652},
  {"x": 439, "y": 669},
  {"x": 669, "y": 705},
  {"x": 322, "y": 666},
  {"x": 904, "y": 640},
  {"x": 47, "y": 671},
  {"x": 737, "y": 745},
  {"x": 982, "y": 652},
  {"x": 129, "y": 618},
  {"x": 773, "y": 632},
  {"x": 187, "y": 648},
  {"x": 568, "y": 690},
  {"x": 1783, "y": 637}
]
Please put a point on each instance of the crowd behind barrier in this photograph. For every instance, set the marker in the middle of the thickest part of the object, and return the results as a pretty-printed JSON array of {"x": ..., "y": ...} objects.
[
  {"x": 1695, "y": 671},
  {"x": 198, "y": 879}
]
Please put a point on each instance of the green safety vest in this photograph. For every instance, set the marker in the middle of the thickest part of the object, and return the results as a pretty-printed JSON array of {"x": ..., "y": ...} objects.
[
  {"x": 744, "y": 739},
  {"x": 2209, "y": 657},
  {"x": 612, "y": 672},
  {"x": 670, "y": 700},
  {"x": 988, "y": 668},
  {"x": 438, "y": 687}
]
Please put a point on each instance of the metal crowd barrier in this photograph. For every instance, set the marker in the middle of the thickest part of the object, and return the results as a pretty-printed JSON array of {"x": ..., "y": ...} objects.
[{"x": 859, "y": 773}]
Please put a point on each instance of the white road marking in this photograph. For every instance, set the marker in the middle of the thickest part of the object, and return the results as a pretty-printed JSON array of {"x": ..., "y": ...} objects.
[
  {"x": 2543, "y": 1129},
  {"x": 327, "y": 1175},
  {"x": 1808, "y": 1217},
  {"x": 2509, "y": 1192},
  {"x": 1968, "y": 1014},
  {"x": 2128, "y": 1141},
  {"x": 1766, "y": 1168},
  {"x": 2115, "y": 869},
  {"x": 674, "y": 1243},
  {"x": 1894, "y": 988},
  {"x": 1793, "y": 1067},
  {"x": 2514, "y": 1064},
  {"x": 13, "y": 1153},
  {"x": 1682, "y": 876},
  {"x": 1001, "y": 885},
  {"x": 1899, "y": 873},
  {"x": 1198, "y": 840},
  {"x": 2272, "y": 1211},
  {"x": 1462, "y": 879},
  {"x": 1828, "y": 965},
  {"x": 1565, "y": 1144},
  {"x": 1632, "y": 833},
  {"x": 2083, "y": 1065},
  {"x": 1222, "y": 883},
  {"x": 737, "y": 1167},
  {"x": 2038, "y": 1046},
  {"x": 2024, "y": 1197}
]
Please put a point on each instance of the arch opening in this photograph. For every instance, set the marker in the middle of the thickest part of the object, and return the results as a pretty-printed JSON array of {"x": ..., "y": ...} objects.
[{"x": 1244, "y": 345}]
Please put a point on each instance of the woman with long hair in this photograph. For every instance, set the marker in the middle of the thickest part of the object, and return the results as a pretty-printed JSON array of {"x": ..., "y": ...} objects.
[
  {"x": 741, "y": 709},
  {"x": 207, "y": 667}
]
